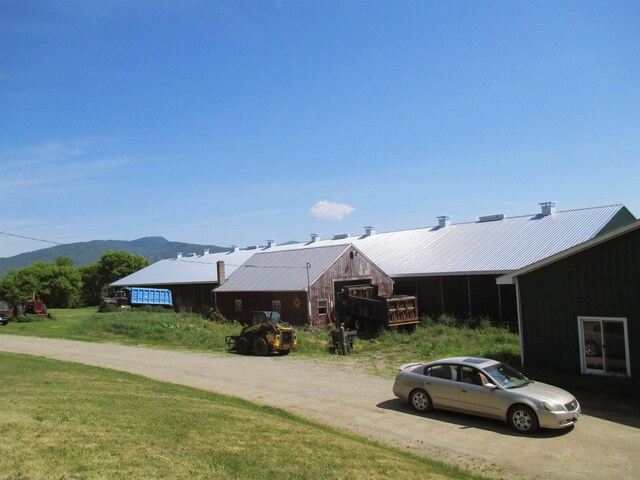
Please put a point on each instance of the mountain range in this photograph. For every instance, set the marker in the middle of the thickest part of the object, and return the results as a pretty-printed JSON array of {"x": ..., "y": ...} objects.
[{"x": 85, "y": 253}]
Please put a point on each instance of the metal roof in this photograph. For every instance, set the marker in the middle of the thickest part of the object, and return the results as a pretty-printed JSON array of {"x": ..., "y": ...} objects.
[
  {"x": 483, "y": 247},
  {"x": 283, "y": 270},
  {"x": 186, "y": 270},
  {"x": 510, "y": 278},
  {"x": 490, "y": 247}
]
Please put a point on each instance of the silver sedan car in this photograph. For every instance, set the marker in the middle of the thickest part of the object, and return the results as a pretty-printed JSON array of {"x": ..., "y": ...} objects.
[{"x": 487, "y": 388}]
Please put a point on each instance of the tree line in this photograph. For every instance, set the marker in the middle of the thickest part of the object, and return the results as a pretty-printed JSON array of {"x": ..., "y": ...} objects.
[{"x": 63, "y": 285}]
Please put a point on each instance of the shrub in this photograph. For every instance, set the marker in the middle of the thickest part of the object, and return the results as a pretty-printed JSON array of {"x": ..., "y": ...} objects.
[{"x": 447, "y": 320}]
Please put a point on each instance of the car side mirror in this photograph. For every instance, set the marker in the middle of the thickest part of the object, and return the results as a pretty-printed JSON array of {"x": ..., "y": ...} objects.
[{"x": 490, "y": 386}]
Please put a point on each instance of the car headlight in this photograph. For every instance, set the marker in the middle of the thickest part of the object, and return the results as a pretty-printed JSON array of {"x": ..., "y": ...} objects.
[{"x": 553, "y": 407}]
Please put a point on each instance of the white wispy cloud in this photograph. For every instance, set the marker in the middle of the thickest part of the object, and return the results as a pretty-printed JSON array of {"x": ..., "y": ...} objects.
[
  {"x": 331, "y": 211},
  {"x": 53, "y": 163}
]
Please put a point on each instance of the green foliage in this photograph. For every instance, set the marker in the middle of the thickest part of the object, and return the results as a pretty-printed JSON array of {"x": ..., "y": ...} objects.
[
  {"x": 155, "y": 326},
  {"x": 91, "y": 284},
  {"x": 117, "y": 264},
  {"x": 58, "y": 285},
  {"x": 64, "y": 262}
]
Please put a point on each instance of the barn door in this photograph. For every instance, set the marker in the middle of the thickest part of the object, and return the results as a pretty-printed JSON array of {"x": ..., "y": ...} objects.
[{"x": 604, "y": 346}]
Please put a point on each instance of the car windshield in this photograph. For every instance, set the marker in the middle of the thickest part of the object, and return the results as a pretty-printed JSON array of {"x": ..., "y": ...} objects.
[{"x": 506, "y": 376}]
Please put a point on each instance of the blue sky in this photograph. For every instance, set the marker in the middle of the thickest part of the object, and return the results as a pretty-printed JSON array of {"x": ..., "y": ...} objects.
[{"x": 235, "y": 122}]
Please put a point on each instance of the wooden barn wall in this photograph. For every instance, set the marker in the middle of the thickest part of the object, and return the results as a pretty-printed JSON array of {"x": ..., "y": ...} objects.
[
  {"x": 462, "y": 296},
  {"x": 349, "y": 267},
  {"x": 293, "y": 305},
  {"x": 603, "y": 281}
]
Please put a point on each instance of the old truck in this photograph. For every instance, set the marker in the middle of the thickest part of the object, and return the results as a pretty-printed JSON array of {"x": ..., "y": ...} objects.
[
  {"x": 360, "y": 307},
  {"x": 266, "y": 333},
  {"x": 138, "y": 296},
  {"x": 5, "y": 312}
]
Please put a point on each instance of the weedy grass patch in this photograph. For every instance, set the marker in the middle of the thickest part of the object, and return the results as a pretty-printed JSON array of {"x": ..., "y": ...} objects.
[
  {"x": 442, "y": 337},
  {"x": 63, "y": 420}
]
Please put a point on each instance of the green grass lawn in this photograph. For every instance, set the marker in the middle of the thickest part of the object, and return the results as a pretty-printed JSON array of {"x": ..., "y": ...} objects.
[{"x": 63, "y": 420}]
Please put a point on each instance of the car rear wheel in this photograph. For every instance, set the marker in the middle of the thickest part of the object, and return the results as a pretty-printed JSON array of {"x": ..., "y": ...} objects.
[
  {"x": 420, "y": 401},
  {"x": 523, "y": 419}
]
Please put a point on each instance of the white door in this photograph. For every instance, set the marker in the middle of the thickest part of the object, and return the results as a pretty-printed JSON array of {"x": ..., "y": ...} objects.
[{"x": 603, "y": 345}]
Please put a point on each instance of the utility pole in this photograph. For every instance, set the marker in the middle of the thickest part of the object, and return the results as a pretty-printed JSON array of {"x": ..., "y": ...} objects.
[{"x": 308, "y": 294}]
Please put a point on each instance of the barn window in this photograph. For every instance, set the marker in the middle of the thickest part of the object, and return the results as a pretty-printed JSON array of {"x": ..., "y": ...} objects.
[
  {"x": 322, "y": 307},
  {"x": 238, "y": 306},
  {"x": 276, "y": 306}
]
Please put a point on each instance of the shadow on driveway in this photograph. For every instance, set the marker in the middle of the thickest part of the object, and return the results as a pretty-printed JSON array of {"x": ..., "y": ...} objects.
[{"x": 465, "y": 421}]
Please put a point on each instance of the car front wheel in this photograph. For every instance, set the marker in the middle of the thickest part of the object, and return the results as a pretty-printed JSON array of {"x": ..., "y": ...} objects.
[
  {"x": 420, "y": 401},
  {"x": 523, "y": 419}
]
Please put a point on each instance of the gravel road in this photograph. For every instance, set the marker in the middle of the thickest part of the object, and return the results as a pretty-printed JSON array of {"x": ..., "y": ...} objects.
[{"x": 342, "y": 396}]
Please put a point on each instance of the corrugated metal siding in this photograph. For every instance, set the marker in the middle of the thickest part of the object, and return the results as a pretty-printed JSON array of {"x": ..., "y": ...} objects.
[
  {"x": 478, "y": 247},
  {"x": 282, "y": 270},
  {"x": 186, "y": 270}
]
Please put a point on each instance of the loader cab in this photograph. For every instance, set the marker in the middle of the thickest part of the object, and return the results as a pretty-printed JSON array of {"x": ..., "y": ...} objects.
[{"x": 264, "y": 317}]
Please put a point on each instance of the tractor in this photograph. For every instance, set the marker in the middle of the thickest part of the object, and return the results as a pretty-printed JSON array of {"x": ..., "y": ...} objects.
[{"x": 264, "y": 334}]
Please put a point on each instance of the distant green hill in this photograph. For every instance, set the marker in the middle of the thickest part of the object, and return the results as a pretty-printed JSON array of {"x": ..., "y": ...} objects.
[{"x": 85, "y": 253}]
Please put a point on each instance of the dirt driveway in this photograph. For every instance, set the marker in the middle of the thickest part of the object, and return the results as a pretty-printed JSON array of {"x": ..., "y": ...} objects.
[{"x": 330, "y": 393}]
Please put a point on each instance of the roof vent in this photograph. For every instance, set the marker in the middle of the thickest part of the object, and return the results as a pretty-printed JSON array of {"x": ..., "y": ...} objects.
[
  {"x": 179, "y": 255},
  {"x": 444, "y": 221},
  {"x": 315, "y": 237},
  {"x": 206, "y": 251},
  {"x": 251, "y": 247},
  {"x": 234, "y": 248},
  {"x": 368, "y": 231},
  {"x": 492, "y": 218},
  {"x": 270, "y": 243},
  {"x": 193, "y": 254},
  {"x": 548, "y": 208},
  {"x": 341, "y": 236}
]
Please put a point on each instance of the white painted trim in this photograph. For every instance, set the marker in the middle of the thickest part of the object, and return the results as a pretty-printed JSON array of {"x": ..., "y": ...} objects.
[
  {"x": 603, "y": 372},
  {"x": 520, "y": 333}
]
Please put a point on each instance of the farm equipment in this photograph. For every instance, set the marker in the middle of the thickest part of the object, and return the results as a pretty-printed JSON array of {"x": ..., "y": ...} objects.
[
  {"x": 265, "y": 334},
  {"x": 342, "y": 340},
  {"x": 137, "y": 296},
  {"x": 35, "y": 306},
  {"x": 361, "y": 308}
]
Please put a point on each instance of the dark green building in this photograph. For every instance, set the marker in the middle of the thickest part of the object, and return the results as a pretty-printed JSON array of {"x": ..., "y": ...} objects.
[{"x": 579, "y": 310}]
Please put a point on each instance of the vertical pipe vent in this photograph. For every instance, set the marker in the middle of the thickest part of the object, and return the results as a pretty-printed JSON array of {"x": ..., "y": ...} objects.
[
  {"x": 548, "y": 208},
  {"x": 368, "y": 231},
  {"x": 315, "y": 237},
  {"x": 444, "y": 221}
]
